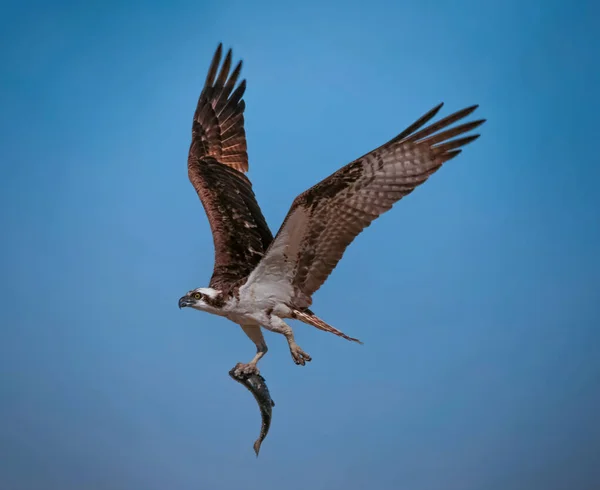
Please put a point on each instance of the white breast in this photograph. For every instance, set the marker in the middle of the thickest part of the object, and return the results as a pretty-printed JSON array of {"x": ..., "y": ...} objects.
[{"x": 254, "y": 302}]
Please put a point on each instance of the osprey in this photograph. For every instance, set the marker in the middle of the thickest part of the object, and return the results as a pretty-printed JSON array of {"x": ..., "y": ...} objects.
[{"x": 259, "y": 281}]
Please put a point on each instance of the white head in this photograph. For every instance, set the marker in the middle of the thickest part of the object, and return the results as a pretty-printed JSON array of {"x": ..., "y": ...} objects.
[{"x": 203, "y": 299}]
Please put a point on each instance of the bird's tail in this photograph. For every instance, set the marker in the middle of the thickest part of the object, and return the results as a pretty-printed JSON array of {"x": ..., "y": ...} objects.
[{"x": 310, "y": 318}]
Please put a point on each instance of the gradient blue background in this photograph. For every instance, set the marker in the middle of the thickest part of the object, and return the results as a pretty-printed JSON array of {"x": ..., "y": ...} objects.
[{"x": 477, "y": 297}]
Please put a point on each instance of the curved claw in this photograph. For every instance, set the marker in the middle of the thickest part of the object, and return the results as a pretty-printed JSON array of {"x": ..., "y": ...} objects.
[
  {"x": 249, "y": 369},
  {"x": 299, "y": 356}
]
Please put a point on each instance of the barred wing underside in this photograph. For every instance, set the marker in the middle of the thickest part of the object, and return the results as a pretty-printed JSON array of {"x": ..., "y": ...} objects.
[
  {"x": 217, "y": 162},
  {"x": 326, "y": 218}
]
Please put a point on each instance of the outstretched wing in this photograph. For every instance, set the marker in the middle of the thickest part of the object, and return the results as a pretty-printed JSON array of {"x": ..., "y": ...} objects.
[
  {"x": 326, "y": 218},
  {"x": 217, "y": 162}
]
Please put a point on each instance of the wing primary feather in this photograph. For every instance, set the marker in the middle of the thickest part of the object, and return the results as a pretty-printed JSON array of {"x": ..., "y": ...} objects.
[
  {"x": 449, "y": 155},
  {"x": 323, "y": 220},
  {"x": 231, "y": 107},
  {"x": 442, "y": 123},
  {"x": 212, "y": 70},
  {"x": 451, "y": 133},
  {"x": 224, "y": 70},
  {"x": 231, "y": 81},
  {"x": 217, "y": 161},
  {"x": 419, "y": 122},
  {"x": 230, "y": 127},
  {"x": 456, "y": 143},
  {"x": 326, "y": 218}
]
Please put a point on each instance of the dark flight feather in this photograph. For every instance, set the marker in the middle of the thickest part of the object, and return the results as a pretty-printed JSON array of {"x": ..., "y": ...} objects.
[
  {"x": 217, "y": 162},
  {"x": 326, "y": 218}
]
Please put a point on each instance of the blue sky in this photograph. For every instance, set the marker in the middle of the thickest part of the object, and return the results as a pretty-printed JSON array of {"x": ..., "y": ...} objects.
[{"x": 477, "y": 296}]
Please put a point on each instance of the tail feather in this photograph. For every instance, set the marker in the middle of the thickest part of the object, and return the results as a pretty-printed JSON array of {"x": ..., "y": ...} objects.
[{"x": 310, "y": 318}]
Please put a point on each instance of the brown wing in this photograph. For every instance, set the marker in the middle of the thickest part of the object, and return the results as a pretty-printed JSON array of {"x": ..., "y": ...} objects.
[
  {"x": 216, "y": 164},
  {"x": 325, "y": 219}
]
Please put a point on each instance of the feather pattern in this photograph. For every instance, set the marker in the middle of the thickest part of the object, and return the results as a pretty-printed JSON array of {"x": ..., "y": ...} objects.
[
  {"x": 217, "y": 162},
  {"x": 326, "y": 218}
]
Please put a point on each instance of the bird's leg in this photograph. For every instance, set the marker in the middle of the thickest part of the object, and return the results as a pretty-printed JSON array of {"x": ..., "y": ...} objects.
[
  {"x": 277, "y": 325},
  {"x": 255, "y": 334}
]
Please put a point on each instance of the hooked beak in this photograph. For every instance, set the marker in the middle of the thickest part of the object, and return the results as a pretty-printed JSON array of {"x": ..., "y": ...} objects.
[{"x": 185, "y": 301}]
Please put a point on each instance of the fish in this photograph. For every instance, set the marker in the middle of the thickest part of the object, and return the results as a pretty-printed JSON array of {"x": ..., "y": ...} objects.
[{"x": 257, "y": 385}]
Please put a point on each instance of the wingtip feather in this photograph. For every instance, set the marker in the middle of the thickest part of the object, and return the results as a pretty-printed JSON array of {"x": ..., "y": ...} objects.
[
  {"x": 449, "y": 155},
  {"x": 468, "y": 110},
  {"x": 214, "y": 65},
  {"x": 433, "y": 112}
]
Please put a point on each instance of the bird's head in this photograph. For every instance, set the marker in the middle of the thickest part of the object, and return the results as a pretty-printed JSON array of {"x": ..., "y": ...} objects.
[{"x": 203, "y": 299}]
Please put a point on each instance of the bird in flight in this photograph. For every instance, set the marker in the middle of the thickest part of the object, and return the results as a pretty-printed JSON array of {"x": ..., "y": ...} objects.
[{"x": 259, "y": 281}]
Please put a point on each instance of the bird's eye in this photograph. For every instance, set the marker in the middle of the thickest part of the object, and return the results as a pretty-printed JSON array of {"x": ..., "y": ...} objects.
[{"x": 197, "y": 296}]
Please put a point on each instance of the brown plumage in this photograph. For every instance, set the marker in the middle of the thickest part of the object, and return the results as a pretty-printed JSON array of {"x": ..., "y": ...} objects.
[
  {"x": 326, "y": 218},
  {"x": 259, "y": 281},
  {"x": 216, "y": 162}
]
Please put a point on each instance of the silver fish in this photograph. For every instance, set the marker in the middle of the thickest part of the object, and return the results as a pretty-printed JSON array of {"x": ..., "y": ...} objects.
[{"x": 257, "y": 385}]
